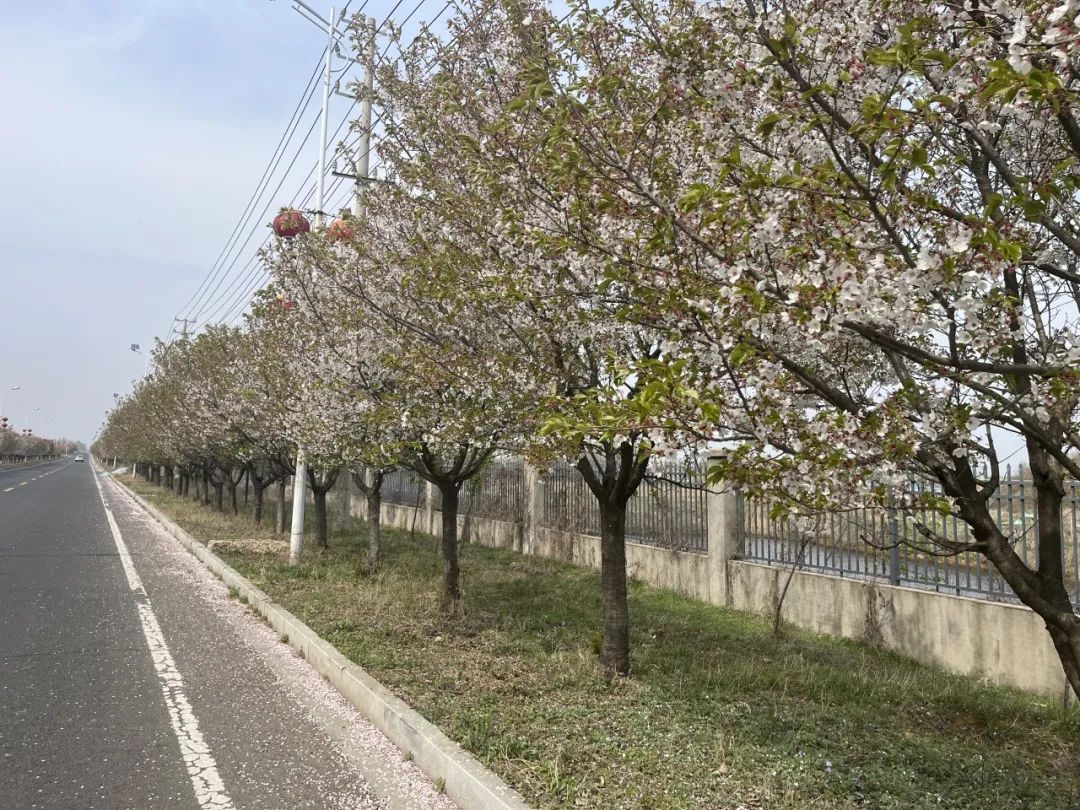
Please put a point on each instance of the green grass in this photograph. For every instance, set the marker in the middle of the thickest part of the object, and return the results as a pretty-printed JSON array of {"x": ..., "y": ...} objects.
[{"x": 719, "y": 713}]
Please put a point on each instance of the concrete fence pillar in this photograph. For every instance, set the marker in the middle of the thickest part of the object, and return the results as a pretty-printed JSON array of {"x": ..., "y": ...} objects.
[
  {"x": 340, "y": 507},
  {"x": 429, "y": 508},
  {"x": 723, "y": 523},
  {"x": 533, "y": 517}
]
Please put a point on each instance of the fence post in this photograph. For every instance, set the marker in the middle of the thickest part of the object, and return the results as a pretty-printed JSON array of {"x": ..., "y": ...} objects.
[
  {"x": 534, "y": 508},
  {"x": 341, "y": 493},
  {"x": 429, "y": 508},
  {"x": 723, "y": 525},
  {"x": 894, "y": 550}
]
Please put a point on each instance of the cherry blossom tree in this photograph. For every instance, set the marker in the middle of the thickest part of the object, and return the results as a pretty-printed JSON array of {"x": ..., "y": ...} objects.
[
  {"x": 381, "y": 334},
  {"x": 490, "y": 240},
  {"x": 854, "y": 226}
]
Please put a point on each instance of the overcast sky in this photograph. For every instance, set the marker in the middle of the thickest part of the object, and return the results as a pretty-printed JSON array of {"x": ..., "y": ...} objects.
[{"x": 133, "y": 135}]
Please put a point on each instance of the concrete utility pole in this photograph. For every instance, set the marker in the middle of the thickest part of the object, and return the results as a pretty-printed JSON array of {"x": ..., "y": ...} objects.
[
  {"x": 333, "y": 40},
  {"x": 185, "y": 325},
  {"x": 364, "y": 163}
]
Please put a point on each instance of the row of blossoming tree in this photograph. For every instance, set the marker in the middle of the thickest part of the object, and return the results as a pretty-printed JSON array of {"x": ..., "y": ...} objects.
[{"x": 837, "y": 240}]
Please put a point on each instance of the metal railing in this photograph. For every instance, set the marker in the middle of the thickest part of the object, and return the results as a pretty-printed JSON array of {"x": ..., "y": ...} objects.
[
  {"x": 888, "y": 544},
  {"x": 498, "y": 492},
  {"x": 569, "y": 505},
  {"x": 670, "y": 509},
  {"x": 404, "y": 488}
]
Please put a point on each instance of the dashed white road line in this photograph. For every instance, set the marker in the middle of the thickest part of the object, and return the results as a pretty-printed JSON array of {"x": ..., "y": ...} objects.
[
  {"x": 201, "y": 767},
  {"x": 9, "y": 489}
]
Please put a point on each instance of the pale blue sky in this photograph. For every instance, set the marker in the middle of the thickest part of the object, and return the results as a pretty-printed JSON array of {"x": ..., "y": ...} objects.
[{"x": 133, "y": 135}]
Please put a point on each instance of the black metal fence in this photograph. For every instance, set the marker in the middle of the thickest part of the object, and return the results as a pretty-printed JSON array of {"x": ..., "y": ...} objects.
[
  {"x": 669, "y": 510},
  {"x": 889, "y": 544},
  {"x": 497, "y": 493},
  {"x": 405, "y": 488},
  {"x": 569, "y": 505}
]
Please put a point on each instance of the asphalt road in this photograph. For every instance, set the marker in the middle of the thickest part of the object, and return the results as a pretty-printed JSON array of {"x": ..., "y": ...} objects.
[{"x": 129, "y": 679}]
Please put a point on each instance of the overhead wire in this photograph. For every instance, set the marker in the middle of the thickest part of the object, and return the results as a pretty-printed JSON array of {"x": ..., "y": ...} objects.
[
  {"x": 236, "y": 296},
  {"x": 204, "y": 289},
  {"x": 275, "y": 160}
]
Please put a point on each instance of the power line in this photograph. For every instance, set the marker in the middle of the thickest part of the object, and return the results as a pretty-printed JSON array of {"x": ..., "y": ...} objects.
[
  {"x": 237, "y": 292},
  {"x": 204, "y": 288},
  {"x": 290, "y": 129}
]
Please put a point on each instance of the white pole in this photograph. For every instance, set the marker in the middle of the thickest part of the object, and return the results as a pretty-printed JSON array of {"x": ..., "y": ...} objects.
[
  {"x": 325, "y": 115},
  {"x": 296, "y": 537},
  {"x": 363, "y": 165}
]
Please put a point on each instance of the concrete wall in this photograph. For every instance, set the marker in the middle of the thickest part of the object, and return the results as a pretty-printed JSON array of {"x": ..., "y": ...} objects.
[
  {"x": 1000, "y": 642},
  {"x": 1003, "y": 643}
]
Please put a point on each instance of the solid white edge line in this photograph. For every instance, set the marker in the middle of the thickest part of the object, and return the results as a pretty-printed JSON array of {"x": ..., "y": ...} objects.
[{"x": 200, "y": 764}]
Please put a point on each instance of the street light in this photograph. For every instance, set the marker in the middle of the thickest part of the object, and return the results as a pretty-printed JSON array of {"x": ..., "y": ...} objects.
[
  {"x": 28, "y": 412},
  {"x": 2, "y": 392},
  {"x": 138, "y": 350}
]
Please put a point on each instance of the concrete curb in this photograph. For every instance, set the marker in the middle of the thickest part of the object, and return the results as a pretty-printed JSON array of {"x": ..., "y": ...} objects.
[{"x": 468, "y": 783}]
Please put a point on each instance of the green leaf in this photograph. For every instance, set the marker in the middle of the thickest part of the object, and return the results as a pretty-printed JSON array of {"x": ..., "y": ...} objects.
[{"x": 768, "y": 123}]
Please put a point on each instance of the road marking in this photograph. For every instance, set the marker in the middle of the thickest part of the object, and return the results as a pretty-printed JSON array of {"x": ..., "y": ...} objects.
[
  {"x": 209, "y": 789},
  {"x": 9, "y": 489},
  {"x": 23, "y": 483}
]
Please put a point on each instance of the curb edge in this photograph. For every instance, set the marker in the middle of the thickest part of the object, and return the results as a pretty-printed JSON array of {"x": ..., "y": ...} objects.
[{"x": 465, "y": 780}]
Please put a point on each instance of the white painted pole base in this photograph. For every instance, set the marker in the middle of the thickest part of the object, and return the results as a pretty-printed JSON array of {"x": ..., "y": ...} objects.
[{"x": 296, "y": 538}]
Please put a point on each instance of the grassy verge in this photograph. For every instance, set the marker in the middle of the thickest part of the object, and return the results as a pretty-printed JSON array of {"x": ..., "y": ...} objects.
[{"x": 719, "y": 713}]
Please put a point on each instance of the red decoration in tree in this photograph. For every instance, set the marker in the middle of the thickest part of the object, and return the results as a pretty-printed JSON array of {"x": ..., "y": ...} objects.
[
  {"x": 341, "y": 230},
  {"x": 290, "y": 223}
]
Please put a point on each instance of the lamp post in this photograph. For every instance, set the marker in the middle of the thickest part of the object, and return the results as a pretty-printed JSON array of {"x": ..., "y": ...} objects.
[
  {"x": 146, "y": 365},
  {"x": 2, "y": 392},
  {"x": 27, "y": 424}
]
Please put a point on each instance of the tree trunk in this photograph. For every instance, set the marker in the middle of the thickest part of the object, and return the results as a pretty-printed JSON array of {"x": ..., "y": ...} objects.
[
  {"x": 373, "y": 493},
  {"x": 280, "y": 515},
  {"x": 321, "y": 535},
  {"x": 219, "y": 495},
  {"x": 232, "y": 497},
  {"x": 613, "y": 474},
  {"x": 374, "y": 506},
  {"x": 451, "y": 595},
  {"x": 205, "y": 481},
  {"x": 258, "y": 489},
  {"x": 1043, "y": 590},
  {"x": 615, "y": 647}
]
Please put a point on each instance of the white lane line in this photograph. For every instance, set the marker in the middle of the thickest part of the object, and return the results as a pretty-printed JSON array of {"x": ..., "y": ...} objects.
[
  {"x": 23, "y": 483},
  {"x": 9, "y": 489},
  {"x": 201, "y": 767}
]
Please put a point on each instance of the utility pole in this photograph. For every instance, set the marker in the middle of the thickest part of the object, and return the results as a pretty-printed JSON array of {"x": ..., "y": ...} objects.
[
  {"x": 363, "y": 165},
  {"x": 185, "y": 325},
  {"x": 296, "y": 534}
]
